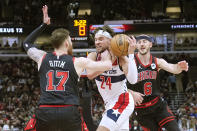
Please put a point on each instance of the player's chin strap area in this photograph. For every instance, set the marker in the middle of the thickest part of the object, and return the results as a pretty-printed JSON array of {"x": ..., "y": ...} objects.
[{"x": 132, "y": 70}]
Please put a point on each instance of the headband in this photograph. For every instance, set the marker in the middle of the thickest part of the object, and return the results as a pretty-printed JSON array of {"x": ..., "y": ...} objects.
[
  {"x": 146, "y": 37},
  {"x": 104, "y": 33}
]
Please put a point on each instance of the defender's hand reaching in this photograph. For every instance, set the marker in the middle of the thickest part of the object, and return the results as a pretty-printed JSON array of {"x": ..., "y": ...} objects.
[{"x": 132, "y": 45}]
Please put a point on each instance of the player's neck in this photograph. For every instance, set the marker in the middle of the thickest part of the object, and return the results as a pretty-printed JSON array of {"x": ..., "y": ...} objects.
[
  {"x": 145, "y": 59},
  {"x": 60, "y": 52}
]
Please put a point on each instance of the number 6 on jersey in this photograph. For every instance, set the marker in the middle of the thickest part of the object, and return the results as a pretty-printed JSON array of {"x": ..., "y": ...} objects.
[{"x": 148, "y": 88}]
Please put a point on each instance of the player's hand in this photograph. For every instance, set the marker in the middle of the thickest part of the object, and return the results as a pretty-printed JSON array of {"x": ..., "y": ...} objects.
[
  {"x": 183, "y": 65},
  {"x": 138, "y": 97},
  {"x": 46, "y": 18},
  {"x": 132, "y": 45}
]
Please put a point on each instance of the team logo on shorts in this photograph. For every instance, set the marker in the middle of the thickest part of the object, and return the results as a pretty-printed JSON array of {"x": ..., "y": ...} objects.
[
  {"x": 153, "y": 66},
  {"x": 113, "y": 114}
]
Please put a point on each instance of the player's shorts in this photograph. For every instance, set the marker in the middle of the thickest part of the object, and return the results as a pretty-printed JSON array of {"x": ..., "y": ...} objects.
[
  {"x": 117, "y": 113},
  {"x": 58, "y": 118},
  {"x": 159, "y": 117}
]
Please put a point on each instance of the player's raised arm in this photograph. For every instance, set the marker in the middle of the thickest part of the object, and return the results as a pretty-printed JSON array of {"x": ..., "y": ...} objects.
[
  {"x": 28, "y": 45},
  {"x": 172, "y": 68},
  {"x": 132, "y": 69}
]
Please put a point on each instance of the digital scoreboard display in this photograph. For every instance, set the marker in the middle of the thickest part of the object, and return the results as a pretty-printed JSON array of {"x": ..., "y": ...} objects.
[
  {"x": 79, "y": 30},
  {"x": 82, "y": 25}
]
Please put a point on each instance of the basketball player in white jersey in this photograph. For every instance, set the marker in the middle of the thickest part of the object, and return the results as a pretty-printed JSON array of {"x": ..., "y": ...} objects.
[{"x": 119, "y": 103}]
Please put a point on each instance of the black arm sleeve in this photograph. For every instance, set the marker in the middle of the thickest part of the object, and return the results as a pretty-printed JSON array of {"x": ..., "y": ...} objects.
[{"x": 28, "y": 42}]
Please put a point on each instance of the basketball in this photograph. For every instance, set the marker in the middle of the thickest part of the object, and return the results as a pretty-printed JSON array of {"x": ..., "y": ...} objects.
[{"x": 119, "y": 45}]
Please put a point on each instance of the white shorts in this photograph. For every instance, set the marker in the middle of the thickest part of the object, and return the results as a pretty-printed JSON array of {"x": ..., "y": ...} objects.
[{"x": 117, "y": 112}]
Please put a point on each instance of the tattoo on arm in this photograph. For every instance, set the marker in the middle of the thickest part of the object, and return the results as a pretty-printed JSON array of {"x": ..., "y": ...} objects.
[{"x": 35, "y": 54}]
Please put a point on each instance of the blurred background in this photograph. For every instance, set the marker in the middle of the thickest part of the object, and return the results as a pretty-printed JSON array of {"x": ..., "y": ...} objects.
[{"x": 172, "y": 23}]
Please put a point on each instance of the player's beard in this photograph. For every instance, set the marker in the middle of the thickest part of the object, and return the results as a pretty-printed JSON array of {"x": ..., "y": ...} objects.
[{"x": 70, "y": 49}]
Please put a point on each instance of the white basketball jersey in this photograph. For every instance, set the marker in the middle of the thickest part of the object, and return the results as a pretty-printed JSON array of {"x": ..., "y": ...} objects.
[{"x": 111, "y": 83}]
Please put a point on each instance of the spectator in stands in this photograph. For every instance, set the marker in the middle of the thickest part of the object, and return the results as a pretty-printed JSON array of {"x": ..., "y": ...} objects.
[
  {"x": 186, "y": 41},
  {"x": 171, "y": 82},
  {"x": 14, "y": 44},
  {"x": 192, "y": 123},
  {"x": 179, "y": 41},
  {"x": 1, "y": 123},
  {"x": 190, "y": 87},
  {"x": 179, "y": 85},
  {"x": 193, "y": 41},
  {"x": 6, "y": 126},
  {"x": 183, "y": 123},
  {"x": 7, "y": 45}
]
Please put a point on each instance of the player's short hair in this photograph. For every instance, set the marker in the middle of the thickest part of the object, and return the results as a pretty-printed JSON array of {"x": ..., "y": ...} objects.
[
  {"x": 58, "y": 36},
  {"x": 105, "y": 28}
]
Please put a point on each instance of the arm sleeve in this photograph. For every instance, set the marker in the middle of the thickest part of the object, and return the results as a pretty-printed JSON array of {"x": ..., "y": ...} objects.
[
  {"x": 28, "y": 42},
  {"x": 29, "y": 47},
  {"x": 132, "y": 70}
]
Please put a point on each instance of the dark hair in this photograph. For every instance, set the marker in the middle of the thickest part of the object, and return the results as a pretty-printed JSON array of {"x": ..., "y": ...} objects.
[
  {"x": 58, "y": 36},
  {"x": 105, "y": 28}
]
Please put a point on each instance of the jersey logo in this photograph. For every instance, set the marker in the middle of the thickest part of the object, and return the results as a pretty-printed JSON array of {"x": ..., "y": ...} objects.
[
  {"x": 153, "y": 66},
  {"x": 114, "y": 114},
  {"x": 147, "y": 74},
  {"x": 139, "y": 67},
  {"x": 112, "y": 71}
]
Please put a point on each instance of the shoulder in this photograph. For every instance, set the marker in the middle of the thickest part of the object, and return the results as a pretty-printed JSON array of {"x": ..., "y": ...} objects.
[
  {"x": 159, "y": 60},
  {"x": 161, "y": 63}
]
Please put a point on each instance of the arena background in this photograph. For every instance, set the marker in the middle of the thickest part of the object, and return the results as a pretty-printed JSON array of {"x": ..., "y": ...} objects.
[{"x": 173, "y": 24}]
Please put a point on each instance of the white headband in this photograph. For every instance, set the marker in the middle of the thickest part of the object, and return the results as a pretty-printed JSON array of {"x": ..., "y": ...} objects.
[{"x": 104, "y": 33}]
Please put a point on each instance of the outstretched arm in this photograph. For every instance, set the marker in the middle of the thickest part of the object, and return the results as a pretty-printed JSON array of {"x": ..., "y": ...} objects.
[
  {"x": 28, "y": 45},
  {"x": 91, "y": 74},
  {"x": 88, "y": 64},
  {"x": 172, "y": 68}
]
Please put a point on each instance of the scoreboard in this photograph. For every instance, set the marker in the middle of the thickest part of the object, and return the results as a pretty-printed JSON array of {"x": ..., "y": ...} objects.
[
  {"x": 79, "y": 30},
  {"x": 82, "y": 25}
]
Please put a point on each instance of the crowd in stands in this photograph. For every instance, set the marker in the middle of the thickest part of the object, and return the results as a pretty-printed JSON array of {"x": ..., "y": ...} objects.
[
  {"x": 19, "y": 93},
  {"x": 28, "y": 12},
  {"x": 9, "y": 45},
  {"x": 187, "y": 113}
]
